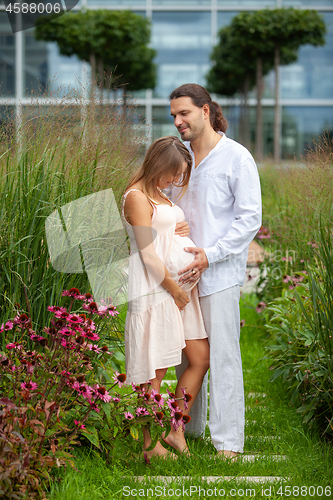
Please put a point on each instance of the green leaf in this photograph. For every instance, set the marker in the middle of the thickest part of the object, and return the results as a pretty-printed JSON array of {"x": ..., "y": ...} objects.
[
  {"x": 91, "y": 434},
  {"x": 134, "y": 433}
]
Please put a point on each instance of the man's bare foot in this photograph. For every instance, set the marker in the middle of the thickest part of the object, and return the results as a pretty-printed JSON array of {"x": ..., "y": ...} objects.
[
  {"x": 177, "y": 441},
  {"x": 228, "y": 454},
  {"x": 159, "y": 451}
]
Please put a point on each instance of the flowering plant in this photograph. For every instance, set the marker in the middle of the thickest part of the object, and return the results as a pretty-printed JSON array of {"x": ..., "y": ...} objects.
[{"x": 58, "y": 390}]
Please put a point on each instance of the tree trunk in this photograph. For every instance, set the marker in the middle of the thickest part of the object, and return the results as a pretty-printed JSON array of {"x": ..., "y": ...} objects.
[
  {"x": 101, "y": 74},
  {"x": 259, "y": 127},
  {"x": 92, "y": 60},
  {"x": 108, "y": 78},
  {"x": 124, "y": 105},
  {"x": 246, "y": 116},
  {"x": 277, "y": 113},
  {"x": 241, "y": 121}
]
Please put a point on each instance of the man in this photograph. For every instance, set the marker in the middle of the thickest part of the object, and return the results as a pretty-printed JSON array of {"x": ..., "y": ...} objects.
[{"x": 222, "y": 206}]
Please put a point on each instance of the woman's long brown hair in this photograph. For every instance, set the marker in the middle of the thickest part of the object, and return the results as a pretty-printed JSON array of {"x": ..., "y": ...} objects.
[{"x": 165, "y": 156}]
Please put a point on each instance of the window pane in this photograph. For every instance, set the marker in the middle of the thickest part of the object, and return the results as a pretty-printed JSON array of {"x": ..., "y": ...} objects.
[
  {"x": 300, "y": 124},
  {"x": 312, "y": 75},
  {"x": 7, "y": 57},
  {"x": 46, "y": 68},
  {"x": 224, "y": 18},
  {"x": 247, "y": 3},
  {"x": 183, "y": 3},
  {"x": 306, "y": 3},
  {"x": 183, "y": 42},
  {"x": 117, "y": 3}
]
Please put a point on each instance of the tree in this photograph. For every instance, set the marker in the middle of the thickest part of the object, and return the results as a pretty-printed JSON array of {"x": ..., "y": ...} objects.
[
  {"x": 273, "y": 37},
  {"x": 232, "y": 73},
  {"x": 112, "y": 41}
]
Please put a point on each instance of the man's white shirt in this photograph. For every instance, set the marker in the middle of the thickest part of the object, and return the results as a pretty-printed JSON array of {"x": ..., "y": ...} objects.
[{"x": 222, "y": 206}]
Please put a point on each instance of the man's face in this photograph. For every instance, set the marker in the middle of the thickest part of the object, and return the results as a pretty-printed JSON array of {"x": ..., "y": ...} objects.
[{"x": 188, "y": 118}]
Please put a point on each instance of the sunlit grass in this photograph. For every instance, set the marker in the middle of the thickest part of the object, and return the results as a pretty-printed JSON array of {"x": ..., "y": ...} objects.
[
  {"x": 272, "y": 428},
  {"x": 58, "y": 160}
]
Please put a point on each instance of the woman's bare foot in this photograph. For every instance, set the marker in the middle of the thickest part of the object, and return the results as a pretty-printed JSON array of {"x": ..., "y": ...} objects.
[
  {"x": 232, "y": 455},
  {"x": 159, "y": 451},
  {"x": 177, "y": 441}
]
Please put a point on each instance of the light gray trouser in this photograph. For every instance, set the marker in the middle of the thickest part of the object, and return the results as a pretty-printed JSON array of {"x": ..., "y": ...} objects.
[{"x": 226, "y": 393}]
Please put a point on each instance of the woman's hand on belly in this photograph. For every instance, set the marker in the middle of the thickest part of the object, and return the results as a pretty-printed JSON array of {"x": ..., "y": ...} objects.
[
  {"x": 182, "y": 228},
  {"x": 193, "y": 271}
]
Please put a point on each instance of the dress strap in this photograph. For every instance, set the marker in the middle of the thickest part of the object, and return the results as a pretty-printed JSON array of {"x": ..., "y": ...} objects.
[{"x": 124, "y": 199}]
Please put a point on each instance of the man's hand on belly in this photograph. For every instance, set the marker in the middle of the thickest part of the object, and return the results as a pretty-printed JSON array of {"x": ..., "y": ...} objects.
[
  {"x": 182, "y": 228},
  {"x": 198, "y": 266}
]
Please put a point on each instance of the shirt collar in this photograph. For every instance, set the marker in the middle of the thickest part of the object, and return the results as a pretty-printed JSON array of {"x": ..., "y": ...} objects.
[{"x": 215, "y": 148}]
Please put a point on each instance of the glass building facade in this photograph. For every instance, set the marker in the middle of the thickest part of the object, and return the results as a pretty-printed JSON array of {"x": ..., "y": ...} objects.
[{"x": 183, "y": 33}]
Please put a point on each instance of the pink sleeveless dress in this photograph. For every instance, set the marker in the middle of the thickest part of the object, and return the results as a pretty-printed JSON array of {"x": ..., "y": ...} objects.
[{"x": 155, "y": 329}]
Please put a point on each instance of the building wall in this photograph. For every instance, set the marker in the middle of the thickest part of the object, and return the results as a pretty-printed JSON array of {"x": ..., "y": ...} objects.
[{"x": 183, "y": 36}]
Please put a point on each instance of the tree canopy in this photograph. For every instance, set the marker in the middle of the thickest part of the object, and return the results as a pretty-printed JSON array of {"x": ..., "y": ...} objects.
[
  {"x": 254, "y": 44},
  {"x": 117, "y": 39}
]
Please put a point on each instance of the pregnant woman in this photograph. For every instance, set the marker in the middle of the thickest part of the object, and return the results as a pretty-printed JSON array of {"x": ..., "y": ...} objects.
[{"x": 163, "y": 317}]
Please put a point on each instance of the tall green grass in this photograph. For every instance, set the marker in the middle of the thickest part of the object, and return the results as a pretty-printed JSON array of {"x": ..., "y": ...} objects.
[
  {"x": 296, "y": 197},
  {"x": 54, "y": 159}
]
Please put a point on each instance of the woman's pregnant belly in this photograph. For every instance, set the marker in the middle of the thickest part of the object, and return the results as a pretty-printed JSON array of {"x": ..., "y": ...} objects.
[{"x": 178, "y": 258}]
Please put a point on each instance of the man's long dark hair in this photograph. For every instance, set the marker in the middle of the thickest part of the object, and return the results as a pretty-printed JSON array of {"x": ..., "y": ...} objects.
[{"x": 200, "y": 96}]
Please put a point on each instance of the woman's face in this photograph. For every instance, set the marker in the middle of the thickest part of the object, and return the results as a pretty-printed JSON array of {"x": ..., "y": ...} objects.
[{"x": 169, "y": 179}]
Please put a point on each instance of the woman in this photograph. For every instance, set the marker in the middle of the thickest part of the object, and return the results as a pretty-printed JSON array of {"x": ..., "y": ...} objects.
[{"x": 163, "y": 317}]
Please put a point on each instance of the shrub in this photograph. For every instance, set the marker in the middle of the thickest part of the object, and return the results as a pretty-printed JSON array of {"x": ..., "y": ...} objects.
[
  {"x": 60, "y": 389},
  {"x": 301, "y": 328}
]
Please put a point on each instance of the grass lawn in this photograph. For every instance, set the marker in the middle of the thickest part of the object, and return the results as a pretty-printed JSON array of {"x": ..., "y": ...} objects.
[{"x": 275, "y": 439}]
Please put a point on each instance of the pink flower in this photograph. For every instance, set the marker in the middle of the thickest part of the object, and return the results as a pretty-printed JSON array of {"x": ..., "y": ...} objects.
[
  {"x": 157, "y": 398},
  {"x": 173, "y": 405},
  {"x": 263, "y": 233},
  {"x": 242, "y": 323},
  {"x": 56, "y": 309},
  {"x": 85, "y": 390},
  {"x": 14, "y": 345},
  {"x": 116, "y": 400},
  {"x": 177, "y": 419},
  {"x": 186, "y": 398},
  {"x": 260, "y": 307},
  {"x": 119, "y": 378},
  {"x": 94, "y": 407},
  {"x": 141, "y": 412},
  {"x": 66, "y": 331},
  {"x": 75, "y": 319},
  {"x": 94, "y": 348},
  {"x": 9, "y": 325},
  {"x": 29, "y": 386},
  {"x": 286, "y": 278},
  {"x": 91, "y": 335},
  {"x": 159, "y": 417},
  {"x": 73, "y": 292},
  {"x": 78, "y": 423},
  {"x": 61, "y": 314},
  {"x": 128, "y": 415},
  {"x": 101, "y": 393},
  {"x": 23, "y": 320}
]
